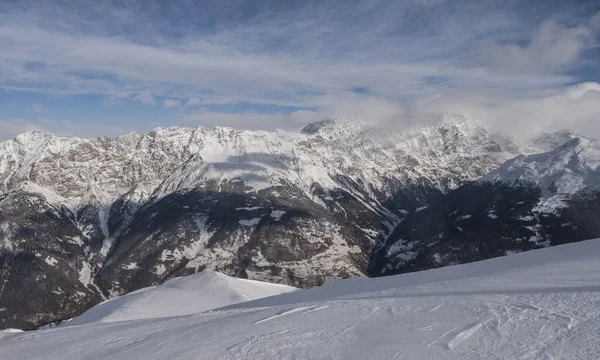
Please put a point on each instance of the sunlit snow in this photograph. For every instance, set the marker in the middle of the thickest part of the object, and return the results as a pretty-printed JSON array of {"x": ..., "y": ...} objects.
[{"x": 540, "y": 304}]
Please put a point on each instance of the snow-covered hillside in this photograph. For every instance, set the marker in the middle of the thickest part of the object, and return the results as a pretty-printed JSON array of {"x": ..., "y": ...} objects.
[
  {"x": 181, "y": 296},
  {"x": 560, "y": 173},
  {"x": 571, "y": 167},
  {"x": 542, "y": 304}
]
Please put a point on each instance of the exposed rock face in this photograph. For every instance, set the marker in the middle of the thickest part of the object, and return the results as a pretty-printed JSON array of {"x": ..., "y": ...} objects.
[
  {"x": 44, "y": 271},
  {"x": 86, "y": 219}
]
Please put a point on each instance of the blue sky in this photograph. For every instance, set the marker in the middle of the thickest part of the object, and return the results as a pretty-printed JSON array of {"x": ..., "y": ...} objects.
[{"x": 92, "y": 68}]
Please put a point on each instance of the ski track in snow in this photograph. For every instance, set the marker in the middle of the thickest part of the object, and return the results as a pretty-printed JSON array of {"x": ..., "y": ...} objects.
[
  {"x": 542, "y": 304},
  {"x": 302, "y": 310}
]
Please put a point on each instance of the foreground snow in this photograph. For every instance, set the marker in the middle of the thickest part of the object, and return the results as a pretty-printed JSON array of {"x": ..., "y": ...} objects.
[
  {"x": 540, "y": 304},
  {"x": 181, "y": 296}
]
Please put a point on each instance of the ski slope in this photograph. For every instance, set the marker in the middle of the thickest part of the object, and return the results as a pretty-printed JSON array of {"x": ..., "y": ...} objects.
[
  {"x": 542, "y": 304},
  {"x": 181, "y": 296}
]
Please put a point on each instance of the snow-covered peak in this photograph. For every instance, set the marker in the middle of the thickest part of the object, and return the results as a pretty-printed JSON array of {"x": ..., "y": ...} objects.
[
  {"x": 548, "y": 141},
  {"x": 30, "y": 135},
  {"x": 455, "y": 145},
  {"x": 35, "y": 138},
  {"x": 443, "y": 152},
  {"x": 335, "y": 128},
  {"x": 313, "y": 128},
  {"x": 565, "y": 170}
]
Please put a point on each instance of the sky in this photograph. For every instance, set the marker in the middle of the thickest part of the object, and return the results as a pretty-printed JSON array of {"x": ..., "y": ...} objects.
[{"x": 104, "y": 68}]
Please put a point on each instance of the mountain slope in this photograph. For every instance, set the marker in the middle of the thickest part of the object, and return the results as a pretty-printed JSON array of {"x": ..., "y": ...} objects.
[
  {"x": 539, "y": 304},
  {"x": 44, "y": 274},
  {"x": 561, "y": 172},
  {"x": 564, "y": 170},
  {"x": 530, "y": 201},
  {"x": 291, "y": 208}
]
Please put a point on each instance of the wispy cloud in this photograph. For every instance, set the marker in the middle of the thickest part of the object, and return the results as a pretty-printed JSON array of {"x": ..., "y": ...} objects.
[
  {"x": 552, "y": 47},
  {"x": 10, "y": 128},
  {"x": 193, "y": 101},
  {"x": 145, "y": 98},
  {"x": 252, "y": 121},
  {"x": 310, "y": 55},
  {"x": 169, "y": 103},
  {"x": 575, "y": 107},
  {"x": 37, "y": 108}
]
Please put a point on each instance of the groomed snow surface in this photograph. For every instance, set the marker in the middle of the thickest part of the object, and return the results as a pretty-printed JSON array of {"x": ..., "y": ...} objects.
[{"x": 542, "y": 304}]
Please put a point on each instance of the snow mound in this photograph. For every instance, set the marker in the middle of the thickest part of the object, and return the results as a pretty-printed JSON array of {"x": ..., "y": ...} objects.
[
  {"x": 541, "y": 304},
  {"x": 181, "y": 296},
  {"x": 8, "y": 332}
]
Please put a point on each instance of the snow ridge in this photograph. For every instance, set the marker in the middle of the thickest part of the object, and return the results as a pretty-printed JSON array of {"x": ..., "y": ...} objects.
[
  {"x": 172, "y": 159},
  {"x": 181, "y": 296}
]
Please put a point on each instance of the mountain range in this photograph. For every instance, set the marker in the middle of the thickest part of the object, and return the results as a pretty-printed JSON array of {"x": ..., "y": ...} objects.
[{"x": 83, "y": 220}]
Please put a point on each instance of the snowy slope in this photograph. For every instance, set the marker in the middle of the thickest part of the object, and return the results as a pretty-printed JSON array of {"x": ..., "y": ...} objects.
[
  {"x": 560, "y": 173},
  {"x": 181, "y": 296},
  {"x": 564, "y": 170},
  {"x": 541, "y": 304}
]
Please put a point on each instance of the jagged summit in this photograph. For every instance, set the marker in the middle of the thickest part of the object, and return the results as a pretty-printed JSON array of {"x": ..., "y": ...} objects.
[
  {"x": 313, "y": 128},
  {"x": 145, "y": 161}
]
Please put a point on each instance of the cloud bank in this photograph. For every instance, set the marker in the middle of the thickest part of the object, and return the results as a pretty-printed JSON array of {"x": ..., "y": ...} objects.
[{"x": 296, "y": 61}]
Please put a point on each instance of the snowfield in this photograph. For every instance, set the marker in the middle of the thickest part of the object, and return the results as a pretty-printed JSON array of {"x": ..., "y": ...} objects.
[
  {"x": 542, "y": 304},
  {"x": 181, "y": 296}
]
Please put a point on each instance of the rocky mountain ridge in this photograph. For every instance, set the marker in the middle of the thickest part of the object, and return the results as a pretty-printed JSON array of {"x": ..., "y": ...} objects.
[
  {"x": 531, "y": 201},
  {"x": 86, "y": 219}
]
